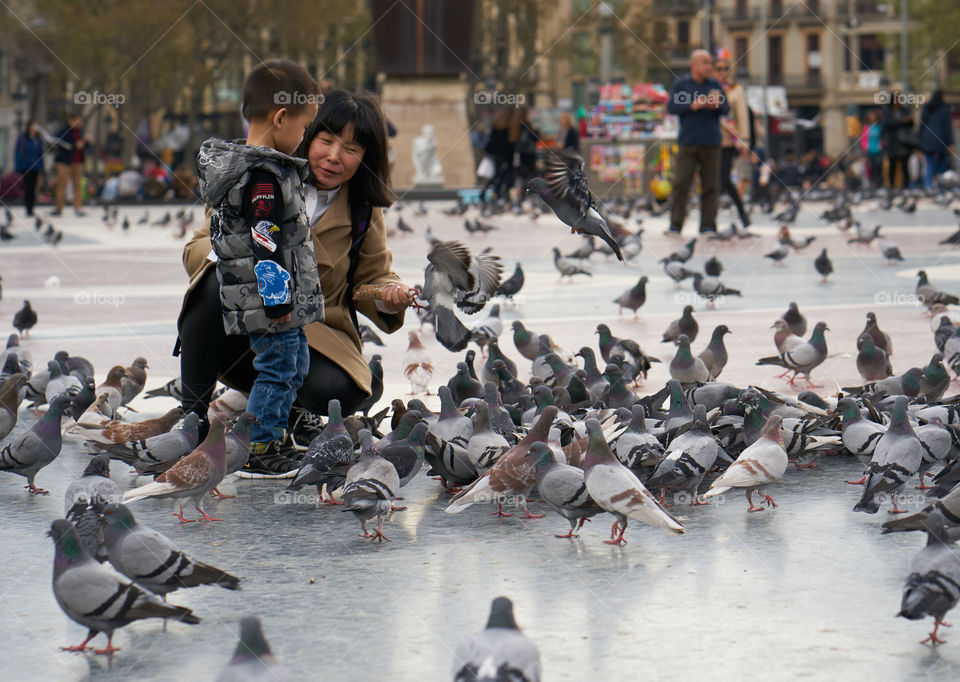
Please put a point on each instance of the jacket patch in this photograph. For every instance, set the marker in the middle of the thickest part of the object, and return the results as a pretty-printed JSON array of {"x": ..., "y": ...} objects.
[
  {"x": 261, "y": 199},
  {"x": 263, "y": 234},
  {"x": 272, "y": 282}
]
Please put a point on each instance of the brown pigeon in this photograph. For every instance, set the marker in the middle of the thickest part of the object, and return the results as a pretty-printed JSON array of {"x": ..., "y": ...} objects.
[{"x": 193, "y": 476}]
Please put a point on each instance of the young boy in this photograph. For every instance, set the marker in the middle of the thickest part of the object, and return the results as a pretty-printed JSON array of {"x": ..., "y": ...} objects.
[{"x": 269, "y": 284}]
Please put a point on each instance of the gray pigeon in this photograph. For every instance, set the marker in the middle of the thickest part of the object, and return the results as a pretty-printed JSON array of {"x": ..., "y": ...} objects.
[
  {"x": 685, "y": 324},
  {"x": 675, "y": 271},
  {"x": 84, "y": 501},
  {"x": 568, "y": 267},
  {"x": 485, "y": 445},
  {"x": 238, "y": 443},
  {"x": 803, "y": 359},
  {"x": 634, "y": 297},
  {"x": 563, "y": 487},
  {"x": 684, "y": 367},
  {"x": 714, "y": 356},
  {"x": 328, "y": 457},
  {"x": 858, "y": 435},
  {"x": 565, "y": 191},
  {"x": 933, "y": 586},
  {"x": 158, "y": 453},
  {"x": 896, "y": 458},
  {"x": 760, "y": 464},
  {"x": 711, "y": 288},
  {"x": 689, "y": 457},
  {"x": 96, "y": 596},
  {"x": 252, "y": 660},
  {"x": 32, "y": 450},
  {"x": 872, "y": 362},
  {"x": 151, "y": 560},
  {"x": 370, "y": 487},
  {"x": 60, "y": 382},
  {"x": 499, "y": 652},
  {"x": 636, "y": 447},
  {"x": 930, "y": 296},
  {"x": 617, "y": 489},
  {"x": 795, "y": 320},
  {"x": 171, "y": 389}
]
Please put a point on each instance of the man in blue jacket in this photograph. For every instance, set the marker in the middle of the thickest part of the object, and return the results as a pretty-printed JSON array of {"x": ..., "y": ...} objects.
[
  {"x": 936, "y": 137},
  {"x": 697, "y": 99}
]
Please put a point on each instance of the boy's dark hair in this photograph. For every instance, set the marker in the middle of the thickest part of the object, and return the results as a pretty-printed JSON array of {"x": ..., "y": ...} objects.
[
  {"x": 371, "y": 184},
  {"x": 277, "y": 84}
]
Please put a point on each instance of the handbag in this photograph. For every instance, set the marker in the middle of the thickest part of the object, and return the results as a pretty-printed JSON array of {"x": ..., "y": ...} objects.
[
  {"x": 486, "y": 168},
  {"x": 909, "y": 138}
]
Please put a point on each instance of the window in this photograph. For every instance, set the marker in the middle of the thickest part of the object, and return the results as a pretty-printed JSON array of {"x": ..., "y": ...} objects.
[
  {"x": 813, "y": 6},
  {"x": 740, "y": 54},
  {"x": 683, "y": 33},
  {"x": 813, "y": 70},
  {"x": 775, "y": 60},
  {"x": 741, "y": 9},
  {"x": 847, "y": 56},
  {"x": 776, "y": 9},
  {"x": 871, "y": 53}
]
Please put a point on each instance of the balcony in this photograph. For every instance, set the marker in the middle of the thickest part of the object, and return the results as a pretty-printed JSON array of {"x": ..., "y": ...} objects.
[
  {"x": 799, "y": 84},
  {"x": 754, "y": 13},
  {"x": 676, "y": 8}
]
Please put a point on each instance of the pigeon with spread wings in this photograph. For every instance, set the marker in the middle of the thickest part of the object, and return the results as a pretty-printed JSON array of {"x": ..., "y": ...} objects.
[
  {"x": 564, "y": 188},
  {"x": 454, "y": 277}
]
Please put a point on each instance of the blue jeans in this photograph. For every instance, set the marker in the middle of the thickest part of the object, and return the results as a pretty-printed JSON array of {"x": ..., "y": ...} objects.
[
  {"x": 936, "y": 165},
  {"x": 281, "y": 362}
]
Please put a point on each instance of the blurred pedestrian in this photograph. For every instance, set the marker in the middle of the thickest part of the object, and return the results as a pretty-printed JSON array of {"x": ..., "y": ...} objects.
[
  {"x": 698, "y": 100},
  {"x": 29, "y": 163},
  {"x": 567, "y": 136},
  {"x": 735, "y": 131},
  {"x": 504, "y": 132},
  {"x": 526, "y": 147},
  {"x": 896, "y": 122},
  {"x": 936, "y": 137},
  {"x": 870, "y": 135},
  {"x": 71, "y": 145}
]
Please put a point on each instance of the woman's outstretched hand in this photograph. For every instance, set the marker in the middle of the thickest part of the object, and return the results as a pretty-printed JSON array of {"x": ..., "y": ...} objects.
[{"x": 396, "y": 297}]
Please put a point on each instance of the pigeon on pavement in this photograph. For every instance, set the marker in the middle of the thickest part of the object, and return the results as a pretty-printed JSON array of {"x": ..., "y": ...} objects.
[
  {"x": 252, "y": 660},
  {"x": 500, "y": 652},
  {"x": 32, "y": 450},
  {"x": 760, "y": 464},
  {"x": 370, "y": 487},
  {"x": 96, "y": 596},
  {"x": 84, "y": 501},
  {"x": 933, "y": 586}
]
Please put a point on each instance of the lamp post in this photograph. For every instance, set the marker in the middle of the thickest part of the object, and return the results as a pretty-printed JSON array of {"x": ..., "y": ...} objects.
[
  {"x": 903, "y": 45},
  {"x": 606, "y": 41}
]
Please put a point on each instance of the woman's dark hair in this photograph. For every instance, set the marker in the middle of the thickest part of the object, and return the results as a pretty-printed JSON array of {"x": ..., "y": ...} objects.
[
  {"x": 26, "y": 128},
  {"x": 936, "y": 100},
  {"x": 371, "y": 183}
]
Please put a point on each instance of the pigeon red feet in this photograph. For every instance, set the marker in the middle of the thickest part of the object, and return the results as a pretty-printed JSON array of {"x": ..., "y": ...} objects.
[
  {"x": 663, "y": 500},
  {"x": 751, "y": 508},
  {"x": 205, "y": 516},
  {"x": 933, "y": 639},
  {"x": 613, "y": 529},
  {"x": 108, "y": 650},
  {"x": 528, "y": 515},
  {"x": 767, "y": 500},
  {"x": 82, "y": 646},
  {"x": 859, "y": 481},
  {"x": 571, "y": 534},
  {"x": 216, "y": 493},
  {"x": 896, "y": 509},
  {"x": 181, "y": 517},
  {"x": 34, "y": 490},
  {"x": 500, "y": 513},
  {"x": 697, "y": 502},
  {"x": 396, "y": 509},
  {"x": 619, "y": 539},
  {"x": 809, "y": 465}
]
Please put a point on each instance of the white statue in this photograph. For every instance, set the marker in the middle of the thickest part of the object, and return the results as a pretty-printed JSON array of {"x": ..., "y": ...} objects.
[{"x": 429, "y": 170}]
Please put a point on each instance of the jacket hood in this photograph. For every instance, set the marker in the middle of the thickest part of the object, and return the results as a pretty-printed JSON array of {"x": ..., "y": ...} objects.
[{"x": 222, "y": 163}]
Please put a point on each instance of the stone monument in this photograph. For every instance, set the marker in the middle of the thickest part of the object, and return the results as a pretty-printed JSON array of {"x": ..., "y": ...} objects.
[{"x": 422, "y": 48}]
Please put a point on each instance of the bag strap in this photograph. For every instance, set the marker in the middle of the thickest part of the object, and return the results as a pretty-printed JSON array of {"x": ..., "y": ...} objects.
[{"x": 360, "y": 216}]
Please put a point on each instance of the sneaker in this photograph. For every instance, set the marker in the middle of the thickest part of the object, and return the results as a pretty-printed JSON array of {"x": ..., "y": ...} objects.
[
  {"x": 55, "y": 213},
  {"x": 278, "y": 461},
  {"x": 304, "y": 428}
]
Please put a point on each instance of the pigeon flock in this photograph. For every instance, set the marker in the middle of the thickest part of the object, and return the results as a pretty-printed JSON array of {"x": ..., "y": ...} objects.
[{"x": 524, "y": 428}]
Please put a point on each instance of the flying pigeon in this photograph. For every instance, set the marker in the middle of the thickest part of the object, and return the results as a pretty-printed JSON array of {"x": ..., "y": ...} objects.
[
  {"x": 565, "y": 191},
  {"x": 417, "y": 365}
]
